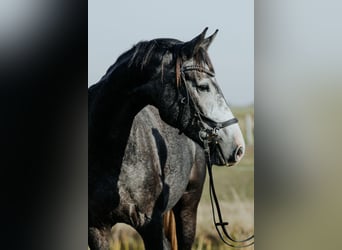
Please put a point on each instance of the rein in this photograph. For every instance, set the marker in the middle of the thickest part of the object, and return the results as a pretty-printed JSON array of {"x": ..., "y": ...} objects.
[
  {"x": 221, "y": 225},
  {"x": 209, "y": 135}
]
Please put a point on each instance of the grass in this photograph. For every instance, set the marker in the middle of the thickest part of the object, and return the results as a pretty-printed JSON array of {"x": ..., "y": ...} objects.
[{"x": 235, "y": 190}]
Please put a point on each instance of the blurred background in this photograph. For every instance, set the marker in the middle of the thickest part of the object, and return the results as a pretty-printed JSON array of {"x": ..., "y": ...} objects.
[
  {"x": 297, "y": 72},
  {"x": 298, "y": 83}
]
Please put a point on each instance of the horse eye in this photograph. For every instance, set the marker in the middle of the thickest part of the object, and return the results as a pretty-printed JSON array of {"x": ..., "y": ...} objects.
[{"x": 203, "y": 87}]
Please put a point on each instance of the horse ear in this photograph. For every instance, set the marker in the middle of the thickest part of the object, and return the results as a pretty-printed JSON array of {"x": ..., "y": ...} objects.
[
  {"x": 206, "y": 43},
  {"x": 190, "y": 48}
]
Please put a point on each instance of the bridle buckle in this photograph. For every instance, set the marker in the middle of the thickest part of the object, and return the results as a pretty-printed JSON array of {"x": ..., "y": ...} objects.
[{"x": 215, "y": 131}]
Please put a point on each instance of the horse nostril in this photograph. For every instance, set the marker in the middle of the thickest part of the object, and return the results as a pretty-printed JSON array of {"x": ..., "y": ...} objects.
[{"x": 239, "y": 153}]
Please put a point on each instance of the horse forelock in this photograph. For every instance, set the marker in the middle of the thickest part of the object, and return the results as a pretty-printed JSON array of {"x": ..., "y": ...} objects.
[{"x": 200, "y": 59}]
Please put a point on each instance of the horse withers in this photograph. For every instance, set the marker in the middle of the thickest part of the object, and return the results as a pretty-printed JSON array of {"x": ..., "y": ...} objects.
[{"x": 138, "y": 169}]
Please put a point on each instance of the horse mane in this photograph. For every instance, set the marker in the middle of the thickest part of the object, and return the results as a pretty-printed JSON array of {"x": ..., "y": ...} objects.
[{"x": 140, "y": 55}]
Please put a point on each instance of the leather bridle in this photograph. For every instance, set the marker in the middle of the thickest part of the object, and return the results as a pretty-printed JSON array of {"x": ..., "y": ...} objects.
[
  {"x": 212, "y": 125},
  {"x": 209, "y": 134}
]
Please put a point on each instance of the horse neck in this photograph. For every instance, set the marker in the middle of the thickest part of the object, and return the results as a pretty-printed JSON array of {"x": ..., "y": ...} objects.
[{"x": 112, "y": 110}]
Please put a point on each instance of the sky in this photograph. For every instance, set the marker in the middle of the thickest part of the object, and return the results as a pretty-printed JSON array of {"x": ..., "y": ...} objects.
[{"x": 115, "y": 26}]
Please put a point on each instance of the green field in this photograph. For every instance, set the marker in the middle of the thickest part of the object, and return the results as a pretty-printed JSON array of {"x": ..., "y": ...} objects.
[{"x": 235, "y": 190}]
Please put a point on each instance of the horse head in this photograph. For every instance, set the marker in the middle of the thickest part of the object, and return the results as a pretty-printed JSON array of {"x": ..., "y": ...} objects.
[{"x": 190, "y": 99}]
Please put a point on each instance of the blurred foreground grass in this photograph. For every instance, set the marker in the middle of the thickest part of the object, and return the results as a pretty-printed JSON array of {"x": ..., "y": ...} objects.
[{"x": 235, "y": 190}]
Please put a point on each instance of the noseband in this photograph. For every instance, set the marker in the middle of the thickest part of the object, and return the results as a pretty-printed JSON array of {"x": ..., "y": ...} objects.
[{"x": 209, "y": 135}]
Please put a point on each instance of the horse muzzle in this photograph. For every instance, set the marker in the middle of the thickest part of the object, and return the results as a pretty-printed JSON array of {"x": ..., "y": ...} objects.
[{"x": 218, "y": 157}]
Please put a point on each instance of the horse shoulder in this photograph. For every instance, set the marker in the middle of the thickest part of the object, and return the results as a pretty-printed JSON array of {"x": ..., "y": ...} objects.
[{"x": 140, "y": 180}]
